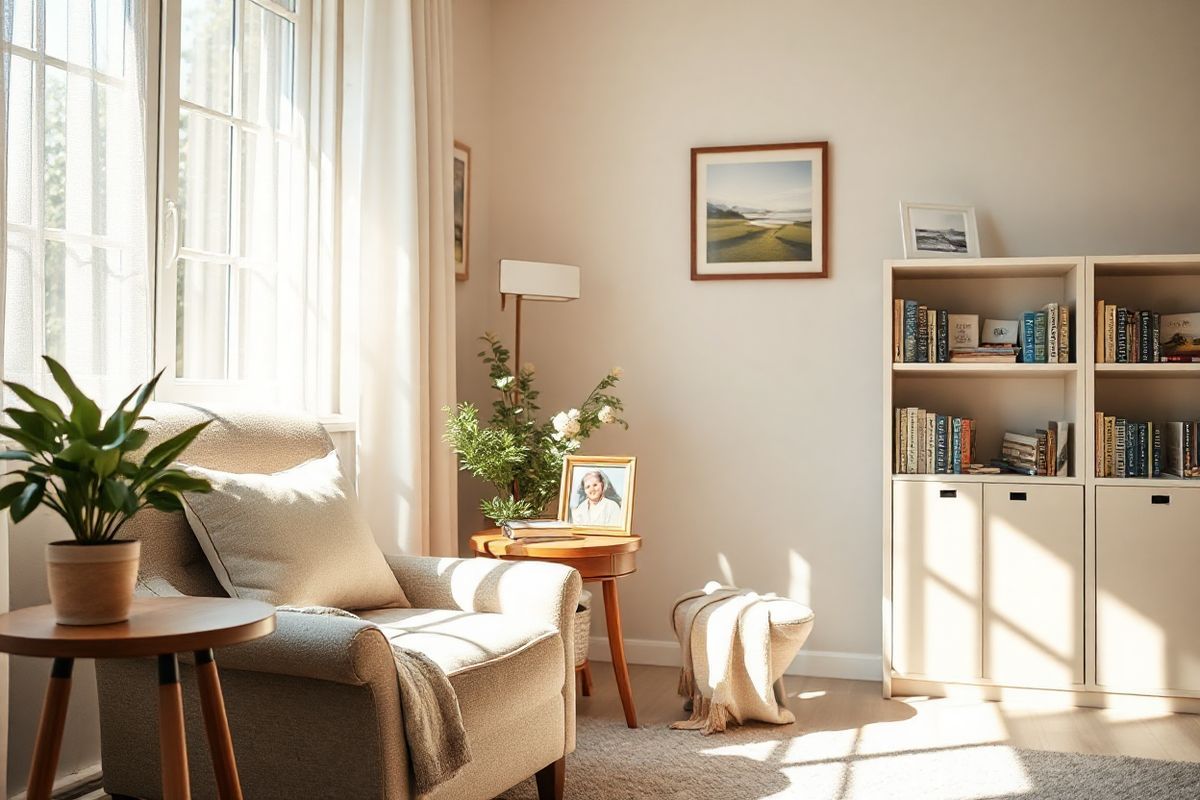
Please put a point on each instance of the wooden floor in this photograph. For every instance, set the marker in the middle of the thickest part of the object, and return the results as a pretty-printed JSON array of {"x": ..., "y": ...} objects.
[
  {"x": 857, "y": 712},
  {"x": 878, "y": 725}
]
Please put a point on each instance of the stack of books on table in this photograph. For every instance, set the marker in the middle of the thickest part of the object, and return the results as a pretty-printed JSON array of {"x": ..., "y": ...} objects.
[
  {"x": 930, "y": 443},
  {"x": 1046, "y": 452},
  {"x": 1131, "y": 336},
  {"x": 1131, "y": 449},
  {"x": 985, "y": 354}
]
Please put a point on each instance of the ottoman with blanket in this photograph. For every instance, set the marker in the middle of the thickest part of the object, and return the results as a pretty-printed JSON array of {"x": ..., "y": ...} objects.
[{"x": 735, "y": 645}]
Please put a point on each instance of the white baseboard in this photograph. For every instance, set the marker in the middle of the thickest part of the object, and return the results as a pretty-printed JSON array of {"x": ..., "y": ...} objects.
[
  {"x": 69, "y": 785},
  {"x": 813, "y": 663}
]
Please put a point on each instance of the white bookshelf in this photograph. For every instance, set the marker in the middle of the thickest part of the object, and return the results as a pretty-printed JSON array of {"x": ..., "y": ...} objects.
[{"x": 1001, "y": 584}]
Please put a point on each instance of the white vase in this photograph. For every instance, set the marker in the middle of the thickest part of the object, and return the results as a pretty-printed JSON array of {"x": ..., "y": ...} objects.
[{"x": 92, "y": 584}]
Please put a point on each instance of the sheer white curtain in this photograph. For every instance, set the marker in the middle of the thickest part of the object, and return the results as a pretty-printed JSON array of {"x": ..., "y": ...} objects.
[
  {"x": 397, "y": 266},
  {"x": 76, "y": 269}
]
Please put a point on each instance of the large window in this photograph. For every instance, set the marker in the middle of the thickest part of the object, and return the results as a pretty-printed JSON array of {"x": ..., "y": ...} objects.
[
  {"x": 157, "y": 196},
  {"x": 233, "y": 280},
  {"x": 76, "y": 211}
]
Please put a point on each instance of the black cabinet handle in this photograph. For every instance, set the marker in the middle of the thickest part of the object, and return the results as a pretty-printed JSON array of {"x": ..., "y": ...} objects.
[
  {"x": 1160, "y": 499},
  {"x": 949, "y": 493},
  {"x": 1016, "y": 496}
]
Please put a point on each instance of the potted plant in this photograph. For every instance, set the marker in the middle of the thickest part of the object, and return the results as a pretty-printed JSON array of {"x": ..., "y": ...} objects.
[
  {"x": 83, "y": 468},
  {"x": 521, "y": 457}
]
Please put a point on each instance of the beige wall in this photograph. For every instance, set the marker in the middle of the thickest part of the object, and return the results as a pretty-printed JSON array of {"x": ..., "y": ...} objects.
[
  {"x": 1071, "y": 126},
  {"x": 476, "y": 299}
]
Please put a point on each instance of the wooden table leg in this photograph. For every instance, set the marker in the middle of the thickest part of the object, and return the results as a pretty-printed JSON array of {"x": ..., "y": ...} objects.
[
  {"x": 585, "y": 674},
  {"x": 216, "y": 726},
  {"x": 171, "y": 732},
  {"x": 616, "y": 644},
  {"x": 50, "y": 730}
]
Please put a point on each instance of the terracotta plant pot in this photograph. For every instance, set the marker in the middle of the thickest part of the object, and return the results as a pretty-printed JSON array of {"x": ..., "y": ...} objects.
[{"x": 92, "y": 584}]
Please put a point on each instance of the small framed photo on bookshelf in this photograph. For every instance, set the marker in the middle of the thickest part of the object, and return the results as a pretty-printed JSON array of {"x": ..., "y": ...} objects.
[
  {"x": 760, "y": 211},
  {"x": 939, "y": 231},
  {"x": 597, "y": 493}
]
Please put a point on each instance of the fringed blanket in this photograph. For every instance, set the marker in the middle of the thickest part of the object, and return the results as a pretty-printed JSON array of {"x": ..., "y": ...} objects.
[
  {"x": 735, "y": 645},
  {"x": 433, "y": 726}
]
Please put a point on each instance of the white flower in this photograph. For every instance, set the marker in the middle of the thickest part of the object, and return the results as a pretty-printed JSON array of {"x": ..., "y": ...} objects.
[
  {"x": 504, "y": 383},
  {"x": 616, "y": 372},
  {"x": 528, "y": 368},
  {"x": 566, "y": 424},
  {"x": 607, "y": 415}
]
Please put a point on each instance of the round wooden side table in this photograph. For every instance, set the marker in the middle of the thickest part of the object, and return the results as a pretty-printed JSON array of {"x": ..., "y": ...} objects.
[
  {"x": 597, "y": 558},
  {"x": 157, "y": 626}
]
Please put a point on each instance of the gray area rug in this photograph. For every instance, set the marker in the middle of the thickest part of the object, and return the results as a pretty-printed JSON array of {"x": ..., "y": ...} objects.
[{"x": 613, "y": 762}]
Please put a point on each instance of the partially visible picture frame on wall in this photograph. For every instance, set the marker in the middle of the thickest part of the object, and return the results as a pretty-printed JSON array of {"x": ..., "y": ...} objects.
[
  {"x": 935, "y": 230},
  {"x": 760, "y": 212},
  {"x": 462, "y": 210}
]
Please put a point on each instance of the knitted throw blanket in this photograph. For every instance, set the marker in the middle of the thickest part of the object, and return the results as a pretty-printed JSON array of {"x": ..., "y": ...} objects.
[
  {"x": 433, "y": 726},
  {"x": 725, "y": 637}
]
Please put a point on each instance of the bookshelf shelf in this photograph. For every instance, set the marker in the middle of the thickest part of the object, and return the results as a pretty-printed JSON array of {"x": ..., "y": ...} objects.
[
  {"x": 1153, "y": 483},
  {"x": 985, "y": 370},
  {"x": 1147, "y": 370},
  {"x": 1001, "y": 478}
]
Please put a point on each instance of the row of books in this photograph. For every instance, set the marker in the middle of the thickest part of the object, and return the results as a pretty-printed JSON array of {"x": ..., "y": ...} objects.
[
  {"x": 925, "y": 335},
  {"x": 1132, "y": 449},
  {"x": 1131, "y": 336},
  {"x": 1046, "y": 452},
  {"x": 930, "y": 443}
]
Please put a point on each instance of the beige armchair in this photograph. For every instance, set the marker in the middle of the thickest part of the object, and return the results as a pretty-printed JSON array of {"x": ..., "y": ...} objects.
[{"x": 314, "y": 708}]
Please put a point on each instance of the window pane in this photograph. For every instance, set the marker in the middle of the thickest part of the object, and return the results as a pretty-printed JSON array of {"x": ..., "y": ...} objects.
[
  {"x": 266, "y": 68},
  {"x": 204, "y": 167},
  {"x": 201, "y": 320},
  {"x": 69, "y": 33},
  {"x": 54, "y": 300},
  {"x": 20, "y": 142},
  {"x": 20, "y": 347},
  {"x": 260, "y": 196},
  {"x": 22, "y": 34},
  {"x": 110, "y": 38},
  {"x": 55, "y": 157},
  {"x": 206, "y": 53},
  {"x": 256, "y": 295}
]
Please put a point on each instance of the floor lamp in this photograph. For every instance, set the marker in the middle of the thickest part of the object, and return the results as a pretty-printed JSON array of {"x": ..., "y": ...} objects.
[{"x": 535, "y": 280}]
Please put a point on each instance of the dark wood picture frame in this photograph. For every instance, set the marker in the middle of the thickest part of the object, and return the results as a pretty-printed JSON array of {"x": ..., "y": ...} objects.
[
  {"x": 823, "y": 148},
  {"x": 460, "y": 148}
]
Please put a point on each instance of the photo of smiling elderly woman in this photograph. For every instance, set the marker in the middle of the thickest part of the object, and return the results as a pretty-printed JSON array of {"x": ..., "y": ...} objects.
[
  {"x": 597, "y": 492},
  {"x": 600, "y": 504}
]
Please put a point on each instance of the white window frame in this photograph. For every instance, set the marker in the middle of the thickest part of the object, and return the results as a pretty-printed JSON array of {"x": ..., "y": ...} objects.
[{"x": 171, "y": 387}]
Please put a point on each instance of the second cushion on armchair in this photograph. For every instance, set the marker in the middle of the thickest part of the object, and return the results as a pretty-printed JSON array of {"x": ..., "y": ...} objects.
[{"x": 295, "y": 538}]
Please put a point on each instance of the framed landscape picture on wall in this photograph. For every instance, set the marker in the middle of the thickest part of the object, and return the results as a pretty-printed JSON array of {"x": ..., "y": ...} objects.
[
  {"x": 760, "y": 211},
  {"x": 462, "y": 209}
]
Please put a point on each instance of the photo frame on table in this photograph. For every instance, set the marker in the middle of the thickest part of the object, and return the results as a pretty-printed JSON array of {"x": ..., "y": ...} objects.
[
  {"x": 596, "y": 493},
  {"x": 462, "y": 210},
  {"x": 760, "y": 212},
  {"x": 933, "y": 230}
]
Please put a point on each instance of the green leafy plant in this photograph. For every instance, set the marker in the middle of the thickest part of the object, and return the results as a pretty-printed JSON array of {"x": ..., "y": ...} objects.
[
  {"x": 521, "y": 457},
  {"x": 82, "y": 466}
]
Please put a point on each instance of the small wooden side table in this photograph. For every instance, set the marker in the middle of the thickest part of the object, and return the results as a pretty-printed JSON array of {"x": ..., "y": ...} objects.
[
  {"x": 158, "y": 626},
  {"x": 597, "y": 558}
]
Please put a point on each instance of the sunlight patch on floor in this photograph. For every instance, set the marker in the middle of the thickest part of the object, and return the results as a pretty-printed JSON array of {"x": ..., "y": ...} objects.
[
  {"x": 993, "y": 771},
  {"x": 936, "y": 727}
]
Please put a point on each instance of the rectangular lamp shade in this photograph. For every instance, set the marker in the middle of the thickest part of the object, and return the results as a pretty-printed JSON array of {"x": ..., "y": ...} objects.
[{"x": 536, "y": 280}]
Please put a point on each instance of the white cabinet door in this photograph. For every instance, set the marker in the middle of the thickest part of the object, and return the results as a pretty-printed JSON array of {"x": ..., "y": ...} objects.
[
  {"x": 1148, "y": 587},
  {"x": 936, "y": 617},
  {"x": 1033, "y": 584}
]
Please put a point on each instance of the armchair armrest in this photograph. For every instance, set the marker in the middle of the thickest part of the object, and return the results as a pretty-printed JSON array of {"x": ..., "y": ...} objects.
[
  {"x": 326, "y": 648},
  {"x": 539, "y": 590}
]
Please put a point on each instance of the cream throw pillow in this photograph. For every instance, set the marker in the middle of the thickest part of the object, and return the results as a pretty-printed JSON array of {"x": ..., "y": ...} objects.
[{"x": 295, "y": 538}]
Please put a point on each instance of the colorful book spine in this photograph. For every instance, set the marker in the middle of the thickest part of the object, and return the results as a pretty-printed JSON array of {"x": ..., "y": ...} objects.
[
  {"x": 1028, "y": 325},
  {"x": 1155, "y": 337},
  {"x": 943, "y": 337},
  {"x": 1064, "y": 334},
  {"x": 1039, "y": 337},
  {"x": 956, "y": 446},
  {"x": 1145, "y": 349},
  {"x": 910, "y": 331},
  {"x": 1122, "y": 337},
  {"x": 922, "y": 334},
  {"x": 940, "y": 456}
]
